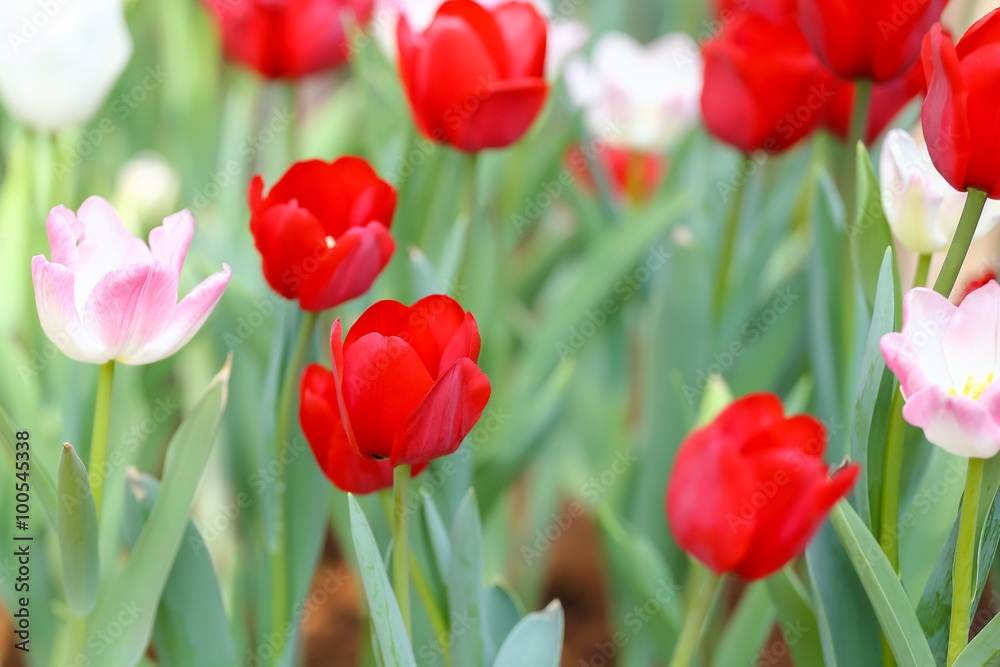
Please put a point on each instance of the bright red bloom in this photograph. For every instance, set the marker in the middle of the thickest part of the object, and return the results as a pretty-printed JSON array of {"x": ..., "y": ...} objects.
[
  {"x": 631, "y": 174},
  {"x": 979, "y": 281},
  {"x": 323, "y": 230},
  {"x": 868, "y": 39},
  {"x": 764, "y": 87},
  {"x": 475, "y": 78},
  {"x": 749, "y": 490},
  {"x": 960, "y": 113},
  {"x": 774, "y": 10},
  {"x": 287, "y": 39},
  {"x": 888, "y": 99},
  {"x": 404, "y": 389}
]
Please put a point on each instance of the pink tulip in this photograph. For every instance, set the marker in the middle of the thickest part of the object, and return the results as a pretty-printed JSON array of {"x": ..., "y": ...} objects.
[
  {"x": 946, "y": 359},
  {"x": 107, "y": 295}
]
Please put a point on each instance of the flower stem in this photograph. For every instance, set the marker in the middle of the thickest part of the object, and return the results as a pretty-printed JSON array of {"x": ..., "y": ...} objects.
[
  {"x": 960, "y": 244},
  {"x": 729, "y": 234},
  {"x": 400, "y": 541},
  {"x": 859, "y": 122},
  {"x": 278, "y": 558},
  {"x": 965, "y": 548},
  {"x": 99, "y": 439},
  {"x": 704, "y": 588},
  {"x": 923, "y": 269}
]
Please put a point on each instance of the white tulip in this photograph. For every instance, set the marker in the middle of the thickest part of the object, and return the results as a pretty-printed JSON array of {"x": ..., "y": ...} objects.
[
  {"x": 642, "y": 98},
  {"x": 922, "y": 209},
  {"x": 60, "y": 58}
]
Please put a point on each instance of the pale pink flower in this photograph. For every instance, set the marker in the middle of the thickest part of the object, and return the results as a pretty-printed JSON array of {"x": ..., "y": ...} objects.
[
  {"x": 107, "y": 295},
  {"x": 946, "y": 359}
]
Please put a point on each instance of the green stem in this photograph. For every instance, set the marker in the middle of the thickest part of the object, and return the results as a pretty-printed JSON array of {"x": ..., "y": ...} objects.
[
  {"x": 470, "y": 211},
  {"x": 437, "y": 619},
  {"x": 923, "y": 270},
  {"x": 400, "y": 541},
  {"x": 859, "y": 123},
  {"x": 960, "y": 244},
  {"x": 891, "y": 474},
  {"x": 277, "y": 557},
  {"x": 99, "y": 439},
  {"x": 962, "y": 577},
  {"x": 705, "y": 586},
  {"x": 729, "y": 234}
]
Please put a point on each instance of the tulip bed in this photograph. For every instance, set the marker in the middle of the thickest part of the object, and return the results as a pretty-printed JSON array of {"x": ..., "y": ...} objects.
[{"x": 490, "y": 333}]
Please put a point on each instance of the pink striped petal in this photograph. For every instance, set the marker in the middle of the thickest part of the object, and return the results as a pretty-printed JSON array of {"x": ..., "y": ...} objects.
[
  {"x": 926, "y": 318},
  {"x": 902, "y": 359},
  {"x": 169, "y": 242},
  {"x": 957, "y": 424},
  {"x": 63, "y": 230},
  {"x": 129, "y": 307},
  {"x": 57, "y": 312},
  {"x": 188, "y": 317},
  {"x": 106, "y": 246},
  {"x": 970, "y": 343}
]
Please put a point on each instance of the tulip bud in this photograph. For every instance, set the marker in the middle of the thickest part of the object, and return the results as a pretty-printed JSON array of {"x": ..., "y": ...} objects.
[{"x": 146, "y": 190}]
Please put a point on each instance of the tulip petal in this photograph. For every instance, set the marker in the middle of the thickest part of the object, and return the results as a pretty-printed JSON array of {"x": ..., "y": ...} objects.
[
  {"x": 958, "y": 424},
  {"x": 391, "y": 318},
  {"x": 64, "y": 231},
  {"x": 716, "y": 528},
  {"x": 290, "y": 241},
  {"x": 503, "y": 114},
  {"x": 384, "y": 381},
  {"x": 464, "y": 343},
  {"x": 105, "y": 247},
  {"x": 187, "y": 319},
  {"x": 129, "y": 307},
  {"x": 801, "y": 437},
  {"x": 750, "y": 414},
  {"x": 60, "y": 320},
  {"x": 444, "y": 417},
  {"x": 347, "y": 270},
  {"x": 971, "y": 340},
  {"x": 926, "y": 318},
  {"x": 944, "y": 115},
  {"x": 169, "y": 242},
  {"x": 337, "y": 369},
  {"x": 319, "y": 415},
  {"x": 524, "y": 32}
]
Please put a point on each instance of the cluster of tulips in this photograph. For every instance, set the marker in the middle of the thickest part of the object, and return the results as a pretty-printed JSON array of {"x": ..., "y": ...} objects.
[{"x": 749, "y": 483}]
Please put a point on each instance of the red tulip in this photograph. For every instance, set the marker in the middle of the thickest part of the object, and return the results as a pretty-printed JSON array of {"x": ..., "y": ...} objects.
[
  {"x": 404, "y": 389},
  {"x": 887, "y": 100},
  {"x": 773, "y": 10},
  {"x": 764, "y": 87},
  {"x": 749, "y": 490},
  {"x": 960, "y": 113},
  {"x": 323, "y": 230},
  {"x": 475, "y": 78},
  {"x": 876, "y": 40},
  {"x": 287, "y": 39},
  {"x": 631, "y": 174}
]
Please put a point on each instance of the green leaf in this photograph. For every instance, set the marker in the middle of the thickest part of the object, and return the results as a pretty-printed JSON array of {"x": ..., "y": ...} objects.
[
  {"x": 132, "y": 597},
  {"x": 501, "y": 612},
  {"x": 984, "y": 649},
  {"x": 869, "y": 236},
  {"x": 390, "y": 633},
  {"x": 896, "y": 616},
  {"x": 465, "y": 584},
  {"x": 77, "y": 534},
  {"x": 191, "y": 628},
  {"x": 798, "y": 619},
  {"x": 437, "y": 534},
  {"x": 872, "y": 407},
  {"x": 747, "y": 629},
  {"x": 536, "y": 641}
]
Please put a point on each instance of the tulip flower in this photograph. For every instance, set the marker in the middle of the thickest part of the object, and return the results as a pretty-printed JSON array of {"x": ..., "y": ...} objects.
[
  {"x": 876, "y": 40},
  {"x": 640, "y": 98},
  {"x": 494, "y": 96},
  {"x": 773, "y": 10},
  {"x": 287, "y": 39},
  {"x": 323, "y": 230},
  {"x": 107, "y": 296},
  {"x": 404, "y": 389},
  {"x": 922, "y": 209},
  {"x": 764, "y": 88},
  {"x": 749, "y": 490},
  {"x": 959, "y": 114},
  {"x": 631, "y": 174},
  {"x": 946, "y": 360},
  {"x": 56, "y": 70}
]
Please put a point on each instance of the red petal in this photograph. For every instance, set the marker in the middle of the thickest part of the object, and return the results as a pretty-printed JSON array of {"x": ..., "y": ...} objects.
[
  {"x": 944, "y": 116},
  {"x": 446, "y": 415},
  {"x": 348, "y": 269},
  {"x": 500, "y": 114},
  {"x": 464, "y": 343},
  {"x": 524, "y": 32},
  {"x": 707, "y": 487},
  {"x": 750, "y": 414},
  {"x": 286, "y": 237},
  {"x": 337, "y": 360},
  {"x": 802, "y": 436},
  {"x": 384, "y": 381}
]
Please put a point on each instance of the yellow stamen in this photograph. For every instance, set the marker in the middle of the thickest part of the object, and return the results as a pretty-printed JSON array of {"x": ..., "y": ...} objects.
[{"x": 974, "y": 389}]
